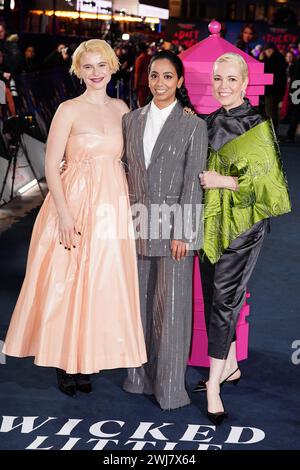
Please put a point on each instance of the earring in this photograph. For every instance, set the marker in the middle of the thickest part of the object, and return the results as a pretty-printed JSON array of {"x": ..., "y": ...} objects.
[
  {"x": 80, "y": 80},
  {"x": 243, "y": 93}
]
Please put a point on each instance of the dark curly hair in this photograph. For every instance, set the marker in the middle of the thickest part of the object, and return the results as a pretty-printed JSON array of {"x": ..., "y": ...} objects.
[{"x": 181, "y": 93}]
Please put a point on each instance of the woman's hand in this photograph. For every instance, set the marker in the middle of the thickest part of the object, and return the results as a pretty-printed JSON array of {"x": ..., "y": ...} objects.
[
  {"x": 67, "y": 231},
  {"x": 210, "y": 180},
  {"x": 213, "y": 180},
  {"x": 179, "y": 249},
  {"x": 188, "y": 110}
]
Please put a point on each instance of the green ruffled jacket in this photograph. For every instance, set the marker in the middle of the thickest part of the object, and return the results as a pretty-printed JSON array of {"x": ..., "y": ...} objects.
[{"x": 254, "y": 159}]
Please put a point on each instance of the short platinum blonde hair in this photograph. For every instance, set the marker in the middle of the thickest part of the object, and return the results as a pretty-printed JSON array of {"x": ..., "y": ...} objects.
[
  {"x": 235, "y": 59},
  {"x": 94, "y": 45}
]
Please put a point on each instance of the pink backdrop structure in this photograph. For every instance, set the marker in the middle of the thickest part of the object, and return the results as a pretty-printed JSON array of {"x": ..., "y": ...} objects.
[{"x": 198, "y": 61}]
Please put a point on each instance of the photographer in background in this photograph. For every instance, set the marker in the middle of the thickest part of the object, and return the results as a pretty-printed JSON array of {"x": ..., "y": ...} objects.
[
  {"x": 30, "y": 62},
  {"x": 13, "y": 55},
  {"x": 8, "y": 100},
  {"x": 9, "y": 47},
  {"x": 59, "y": 57},
  {"x": 275, "y": 64}
]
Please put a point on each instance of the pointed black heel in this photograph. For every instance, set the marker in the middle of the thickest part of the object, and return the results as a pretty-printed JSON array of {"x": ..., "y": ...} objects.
[
  {"x": 66, "y": 382},
  {"x": 217, "y": 418},
  {"x": 201, "y": 385},
  {"x": 233, "y": 382}
]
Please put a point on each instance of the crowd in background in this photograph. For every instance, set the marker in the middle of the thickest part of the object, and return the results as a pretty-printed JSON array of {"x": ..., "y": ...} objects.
[
  {"x": 35, "y": 84},
  {"x": 284, "y": 64}
]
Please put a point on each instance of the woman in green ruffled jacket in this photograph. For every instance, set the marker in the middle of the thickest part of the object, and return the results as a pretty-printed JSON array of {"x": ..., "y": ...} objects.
[{"x": 244, "y": 186}]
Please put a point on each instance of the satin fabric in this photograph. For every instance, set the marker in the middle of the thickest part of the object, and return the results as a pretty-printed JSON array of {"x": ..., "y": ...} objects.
[
  {"x": 79, "y": 310},
  {"x": 254, "y": 159},
  {"x": 223, "y": 125},
  {"x": 224, "y": 287},
  {"x": 234, "y": 231}
]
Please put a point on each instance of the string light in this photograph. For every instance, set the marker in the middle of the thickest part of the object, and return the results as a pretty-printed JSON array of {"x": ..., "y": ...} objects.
[{"x": 93, "y": 16}]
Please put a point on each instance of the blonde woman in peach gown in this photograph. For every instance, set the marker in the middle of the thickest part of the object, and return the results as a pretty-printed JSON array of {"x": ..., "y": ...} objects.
[{"x": 78, "y": 309}]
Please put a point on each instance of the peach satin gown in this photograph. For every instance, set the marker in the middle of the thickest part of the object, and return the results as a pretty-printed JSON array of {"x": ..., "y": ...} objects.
[{"x": 79, "y": 310}]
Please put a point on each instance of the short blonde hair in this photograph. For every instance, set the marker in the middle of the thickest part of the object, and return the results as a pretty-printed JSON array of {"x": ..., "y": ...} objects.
[
  {"x": 94, "y": 45},
  {"x": 236, "y": 59},
  {"x": 13, "y": 38}
]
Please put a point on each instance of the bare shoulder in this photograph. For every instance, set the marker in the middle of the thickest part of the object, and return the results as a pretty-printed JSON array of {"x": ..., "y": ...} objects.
[
  {"x": 68, "y": 108},
  {"x": 120, "y": 105}
]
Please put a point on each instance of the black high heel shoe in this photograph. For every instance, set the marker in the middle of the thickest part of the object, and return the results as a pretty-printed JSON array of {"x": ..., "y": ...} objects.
[
  {"x": 83, "y": 383},
  {"x": 217, "y": 418},
  {"x": 66, "y": 382},
  {"x": 201, "y": 385}
]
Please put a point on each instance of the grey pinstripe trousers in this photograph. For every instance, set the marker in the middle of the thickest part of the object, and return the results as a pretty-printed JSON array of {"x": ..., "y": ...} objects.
[{"x": 166, "y": 309}]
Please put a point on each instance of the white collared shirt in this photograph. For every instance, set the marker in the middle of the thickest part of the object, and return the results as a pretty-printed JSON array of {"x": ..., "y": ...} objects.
[{"x": 155, "y": 120}]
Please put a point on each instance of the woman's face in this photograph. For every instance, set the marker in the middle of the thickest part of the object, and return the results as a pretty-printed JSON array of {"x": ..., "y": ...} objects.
[
  {"x": 247, "y": 35},
  {"x": 29, "y": 52},
  {"x": 163, "y": 82},
  {"x": 94, "y": 70},
  {"x": 228, "y": 84},
  {"x": 289, "y": 58}
]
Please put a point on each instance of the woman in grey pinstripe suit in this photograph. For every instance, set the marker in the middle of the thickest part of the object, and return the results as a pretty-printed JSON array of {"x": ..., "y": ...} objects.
[{"x": 166, "y": 149}]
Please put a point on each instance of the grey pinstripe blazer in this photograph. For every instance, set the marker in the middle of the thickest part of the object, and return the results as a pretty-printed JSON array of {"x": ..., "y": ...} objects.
[{"x": 168, "y": 194}]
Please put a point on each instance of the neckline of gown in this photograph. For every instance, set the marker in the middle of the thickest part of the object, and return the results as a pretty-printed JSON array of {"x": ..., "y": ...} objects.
[{"x": 93, "y": 133}]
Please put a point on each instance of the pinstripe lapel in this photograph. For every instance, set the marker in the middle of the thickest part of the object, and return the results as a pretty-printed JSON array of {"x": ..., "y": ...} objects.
[
  {"x": 166, "y": 135},
  {"x": 141, "y": 123}
]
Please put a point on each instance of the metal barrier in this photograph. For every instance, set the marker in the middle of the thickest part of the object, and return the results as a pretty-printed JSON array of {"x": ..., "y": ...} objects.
[{"x": 40, "y": 93}]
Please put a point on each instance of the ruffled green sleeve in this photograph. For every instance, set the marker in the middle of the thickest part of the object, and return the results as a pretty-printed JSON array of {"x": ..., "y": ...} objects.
[{"x": 262, "y": 191}]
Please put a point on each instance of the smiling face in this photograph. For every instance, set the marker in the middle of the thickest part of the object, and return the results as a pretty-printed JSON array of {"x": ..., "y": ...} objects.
[
  {"x": 228, "y": 84},
  {"x": 94, "y": 70},
  {"x": 163, "y": 82}
]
